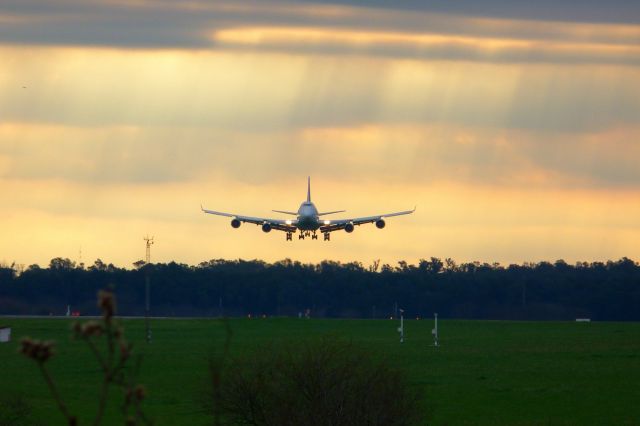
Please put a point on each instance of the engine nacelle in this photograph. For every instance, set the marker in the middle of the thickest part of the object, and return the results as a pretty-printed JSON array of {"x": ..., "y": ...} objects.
[
  {"x": 266, "y": 227},
  {"x": 348, "y": 227},
  {"x": 380, "y": 223},
  {"x": 235, "y": 223}
]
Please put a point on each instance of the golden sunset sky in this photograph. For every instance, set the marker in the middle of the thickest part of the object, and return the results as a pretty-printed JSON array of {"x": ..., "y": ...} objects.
[{"x": 514, "y": 127}]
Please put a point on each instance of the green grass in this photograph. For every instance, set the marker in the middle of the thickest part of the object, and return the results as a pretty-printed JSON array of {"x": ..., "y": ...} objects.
[{"x": 484, "y": 372}]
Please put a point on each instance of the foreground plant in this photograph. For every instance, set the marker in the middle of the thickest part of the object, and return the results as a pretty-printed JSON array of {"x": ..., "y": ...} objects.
[
  {"x": 320, "y": 383},
  {"x": 113, "y": 362}
]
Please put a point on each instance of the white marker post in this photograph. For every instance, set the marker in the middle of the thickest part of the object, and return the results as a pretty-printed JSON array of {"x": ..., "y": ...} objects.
[
  {"x": 401, "y": 328},
  {"x": 435, "y": 331}
]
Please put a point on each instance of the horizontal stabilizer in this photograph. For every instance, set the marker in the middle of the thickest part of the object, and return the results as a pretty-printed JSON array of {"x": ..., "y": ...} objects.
[{"x": 285, "y": 212}]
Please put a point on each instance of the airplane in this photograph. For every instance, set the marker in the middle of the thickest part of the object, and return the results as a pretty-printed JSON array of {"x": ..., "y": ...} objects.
[{"x": 308, "y": 220}]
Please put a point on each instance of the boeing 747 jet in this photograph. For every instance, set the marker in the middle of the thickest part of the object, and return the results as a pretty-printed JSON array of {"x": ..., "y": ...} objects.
[{"x": 308, "y": 220}]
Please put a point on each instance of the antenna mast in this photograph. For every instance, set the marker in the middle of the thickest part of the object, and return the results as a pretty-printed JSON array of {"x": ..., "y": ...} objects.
[{"x": 149, "y": 242}]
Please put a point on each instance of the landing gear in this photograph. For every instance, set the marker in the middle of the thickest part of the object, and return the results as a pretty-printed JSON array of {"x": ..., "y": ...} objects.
[
  {"x": 327, "y": 236},
  {"x": 304, "y": 234},
  {"x": 289, "y": 236}
]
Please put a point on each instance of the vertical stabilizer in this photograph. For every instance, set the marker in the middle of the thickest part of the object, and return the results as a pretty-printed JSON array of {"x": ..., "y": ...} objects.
[{"x": 308, "y": 189}]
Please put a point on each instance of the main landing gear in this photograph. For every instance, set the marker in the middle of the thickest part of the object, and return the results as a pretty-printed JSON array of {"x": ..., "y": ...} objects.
[
  {"x": 304, "y": 234},
  {"x": 313, "y": 235}
]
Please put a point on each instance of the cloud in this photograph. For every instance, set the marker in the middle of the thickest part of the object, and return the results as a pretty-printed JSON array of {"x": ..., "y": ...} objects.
[
  {"x": 542, "y": 10},
  {"x": 317, "y": 28},
  {"x": 421, "y": 46},
  {"x": 112, "y": 88},
  {"x": 600, "y": 159},
  {"x": 422, "y": 154},
  {"x": 477, "y": 156}
]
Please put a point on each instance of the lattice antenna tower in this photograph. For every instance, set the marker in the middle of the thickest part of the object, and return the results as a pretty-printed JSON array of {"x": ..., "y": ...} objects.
[
  {"x": 147, "y": 289},
  {"x": 149, "y": 242}
]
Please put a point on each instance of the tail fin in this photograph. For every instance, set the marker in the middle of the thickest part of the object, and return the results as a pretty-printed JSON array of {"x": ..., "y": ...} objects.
[{"x": 308, "y": 189}]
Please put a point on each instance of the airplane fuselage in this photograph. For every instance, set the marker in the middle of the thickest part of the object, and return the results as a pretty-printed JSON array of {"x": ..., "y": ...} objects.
[{"x": 308, "y": 219}]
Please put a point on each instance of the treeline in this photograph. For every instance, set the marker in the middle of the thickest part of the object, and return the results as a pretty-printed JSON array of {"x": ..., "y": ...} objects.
[{"x": 551, "y": 291}]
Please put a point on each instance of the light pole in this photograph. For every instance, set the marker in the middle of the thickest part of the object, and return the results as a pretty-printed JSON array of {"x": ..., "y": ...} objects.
[
  {"x": 401, "y": 328},
  {"x": 435, "y": 331}
]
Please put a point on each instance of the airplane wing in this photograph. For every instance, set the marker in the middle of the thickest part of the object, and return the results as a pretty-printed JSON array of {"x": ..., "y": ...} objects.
[
  {"x": 333, "y": 212},
  {"x": 286, "y": 212},
  {"x": 279, "y": 224},
  {"x": 335, "y": 225}
]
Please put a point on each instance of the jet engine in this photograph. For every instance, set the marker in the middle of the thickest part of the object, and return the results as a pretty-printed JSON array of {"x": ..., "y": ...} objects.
[
  {"x": 266, "y": 227},
  {"x": 348, "y": 227},
  {"x": 235, "y": 223},
  {"x": 380, "y": 223}
]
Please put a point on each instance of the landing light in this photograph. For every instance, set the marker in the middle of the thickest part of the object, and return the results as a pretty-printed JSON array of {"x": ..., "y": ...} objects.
[
  {"x": 327, "y": 222},
  {"x": 288, "y": 222}
]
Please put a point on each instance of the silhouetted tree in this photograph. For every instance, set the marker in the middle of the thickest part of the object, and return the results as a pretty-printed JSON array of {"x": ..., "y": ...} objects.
[{"x": 600, "y": 290}]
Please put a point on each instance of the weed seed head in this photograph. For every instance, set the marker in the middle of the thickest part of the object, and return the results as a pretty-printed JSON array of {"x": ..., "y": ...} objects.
[
  {"x": 91, "y": 328},
  {"x": 37, "y": 350},
  {"x": 107, "y": 304}
]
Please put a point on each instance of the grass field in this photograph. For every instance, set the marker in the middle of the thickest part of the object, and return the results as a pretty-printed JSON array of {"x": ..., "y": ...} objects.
[{"x": 484, "y": 372}]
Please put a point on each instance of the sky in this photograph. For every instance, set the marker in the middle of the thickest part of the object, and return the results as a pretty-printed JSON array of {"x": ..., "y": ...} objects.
[{"x": 513, "y": 126}]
